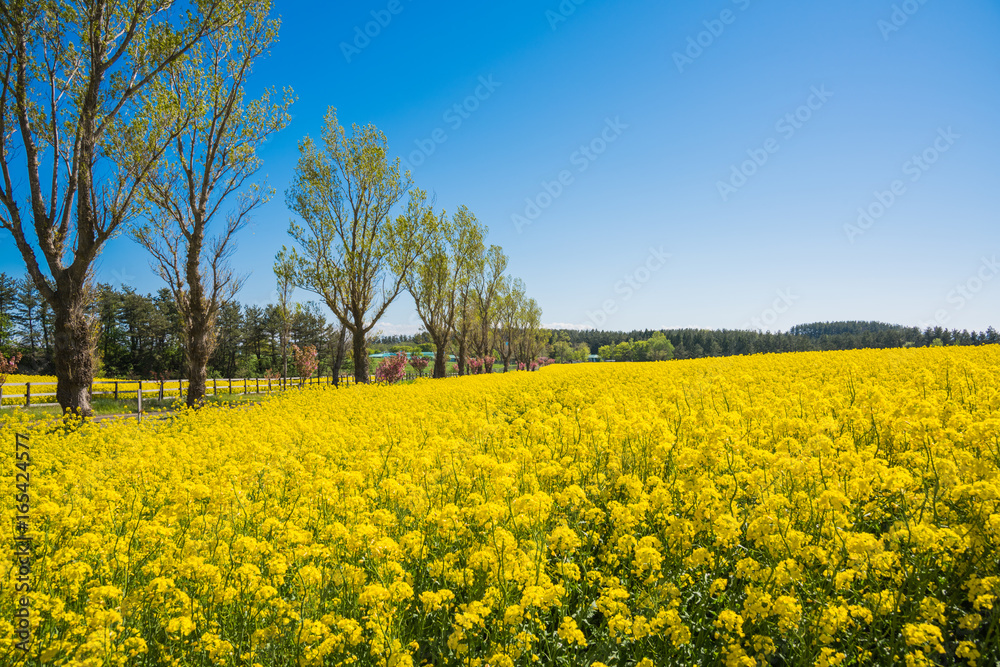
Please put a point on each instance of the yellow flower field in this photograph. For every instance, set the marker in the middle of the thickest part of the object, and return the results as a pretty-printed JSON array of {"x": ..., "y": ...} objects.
[{"x": 807, "y": 509}]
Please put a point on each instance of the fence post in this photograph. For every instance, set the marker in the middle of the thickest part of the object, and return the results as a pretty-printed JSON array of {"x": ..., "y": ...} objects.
[
  {"x": 258, "y": 385},
  {"x": 230, "y": 387},
  {"x": 27, "y": 395},
  {"x": 138, "y": 398},
  {"x": 116, "y": 391},
  {"x": 180, "y": 388}
]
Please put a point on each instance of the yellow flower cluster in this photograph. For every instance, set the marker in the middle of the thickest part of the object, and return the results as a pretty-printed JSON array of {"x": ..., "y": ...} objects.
[{"x": 810, "y": 509}]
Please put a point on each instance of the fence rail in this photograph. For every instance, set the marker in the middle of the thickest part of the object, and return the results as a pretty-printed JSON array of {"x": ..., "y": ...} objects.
[{"x": 137, "y": 389}]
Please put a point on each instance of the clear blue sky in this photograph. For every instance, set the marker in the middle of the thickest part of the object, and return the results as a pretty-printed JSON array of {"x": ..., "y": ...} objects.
[{"x": 823, "y": 109}]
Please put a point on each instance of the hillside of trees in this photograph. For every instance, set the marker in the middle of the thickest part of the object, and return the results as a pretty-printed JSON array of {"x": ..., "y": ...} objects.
[{"x": 695, "y": 343}]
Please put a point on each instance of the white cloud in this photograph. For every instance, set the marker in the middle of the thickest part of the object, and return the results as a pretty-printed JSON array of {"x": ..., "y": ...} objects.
[
  {"x": 568, "y": 325},
  {"x": 390, "y": 329}
]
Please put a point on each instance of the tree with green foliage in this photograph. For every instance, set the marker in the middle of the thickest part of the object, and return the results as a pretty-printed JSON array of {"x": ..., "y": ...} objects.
[
  {"x": 211, "y": 162},
  {"x": 509, "y": 306},
  {"x": 71, "y": 77},
  {"x": 284, "y": 271},
  {"x": 474, "y": 253},
  {"x": 27, "y": 314},
  {"x": 439, "y": 274},
  {"x": 349, "y": 249},
  {"x": 486, "y": 285},
  {"x": 529, "y": 337},
  {"x": 660, "y": 347},
  {"x": 562, "y": 352}
]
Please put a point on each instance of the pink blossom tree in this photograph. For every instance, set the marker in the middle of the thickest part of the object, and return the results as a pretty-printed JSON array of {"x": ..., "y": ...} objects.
[
  {"x": 419, "y": 363},
  {"x": 8, "y": 366},
  {"x": 391, "y": 369},
  {"x": 306, "y": 361}
]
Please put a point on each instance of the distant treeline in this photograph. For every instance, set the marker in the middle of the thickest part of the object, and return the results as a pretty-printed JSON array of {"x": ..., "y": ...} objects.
[
  {"x": 695, "y": 343},
  {"x": 817, "y": 336}
]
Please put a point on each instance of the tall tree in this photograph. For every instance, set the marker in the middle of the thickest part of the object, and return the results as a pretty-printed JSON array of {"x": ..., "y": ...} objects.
[
  {"x": 509, "y": 303},
  {"x": 438, "y": 276},
  {"x": 8, "y": 296},
  {"x": 70, "y": 76},
  {"x": 474, "y": 253},
  {"x": 487, "y": 283},
  {"x": 529, "y": 337},
  {"x": 350, "y": 250},
  {"x": 28, "y": 313},
  {"x": 211, "y": 162},
  {"x": 284, "y": 271},
  {"x": 253, "y": 334},
  {"x": 227, "y": 352}
]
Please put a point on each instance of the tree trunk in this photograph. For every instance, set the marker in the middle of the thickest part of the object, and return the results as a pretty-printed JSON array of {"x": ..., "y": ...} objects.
[
  {"x": 441, "y": 358},
  {"x": 74, "y": 360},
  {"x": 462, "y": 350},
  {"x": 284, "y": 358},
  {"x": 46, "y": 339},
  {"x": 199, "y": 350},
  {"x": 360, "y": 351},
  {"x": 338, "y": 359}
]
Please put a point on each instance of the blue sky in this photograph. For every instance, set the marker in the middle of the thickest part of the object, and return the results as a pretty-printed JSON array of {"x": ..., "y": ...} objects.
[{"x": 734, "y": 163}]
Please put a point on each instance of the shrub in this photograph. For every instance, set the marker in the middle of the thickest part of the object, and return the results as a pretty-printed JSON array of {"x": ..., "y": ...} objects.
[
  {"x": 419, "y": 363},
  {"x": 391, "y": 369},
  {"x": 8, "y": 366},
  {"x": 306, "y": 360}
]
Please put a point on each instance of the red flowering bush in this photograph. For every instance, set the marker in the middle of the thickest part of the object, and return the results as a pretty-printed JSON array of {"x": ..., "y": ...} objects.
[
  {"x": 391, "y": 369},
  {"x": 419, "y": 363},
  {"x": 306, "y": 360},
  {"x": 8, "y": 366}
]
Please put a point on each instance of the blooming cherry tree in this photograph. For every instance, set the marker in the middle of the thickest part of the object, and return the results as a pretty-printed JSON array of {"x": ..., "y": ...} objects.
[
  {"x": 391, "y": 369},
  {"x": 306, "y": 361}
]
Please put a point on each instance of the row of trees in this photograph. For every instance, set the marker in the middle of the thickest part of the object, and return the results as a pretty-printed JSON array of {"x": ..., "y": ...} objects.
[
  {"x": 696, "y": 343},
  {"x": 142, "y": 336},
  {"x": 358, "y": 259},
  {"x": 131, "y": 116}
]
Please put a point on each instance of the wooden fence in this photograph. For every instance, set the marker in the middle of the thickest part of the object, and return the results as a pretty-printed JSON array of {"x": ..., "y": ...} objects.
[{"x": 136, "y": 390}]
